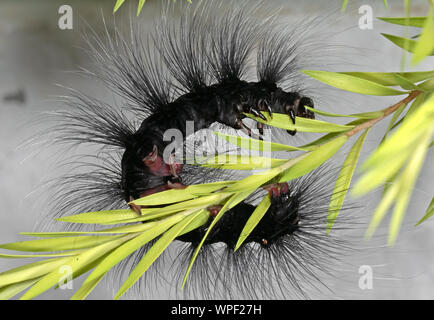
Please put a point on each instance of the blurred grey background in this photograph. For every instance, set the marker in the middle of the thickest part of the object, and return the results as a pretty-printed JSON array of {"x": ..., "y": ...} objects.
[{"x": 35, "y": 56}]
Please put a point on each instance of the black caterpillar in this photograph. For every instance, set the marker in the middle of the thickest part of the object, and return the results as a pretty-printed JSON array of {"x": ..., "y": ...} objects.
[{"x": 195, "y": 69}]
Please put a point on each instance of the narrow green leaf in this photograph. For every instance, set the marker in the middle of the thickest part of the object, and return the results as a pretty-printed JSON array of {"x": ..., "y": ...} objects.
[
  {"x": 406, "y": 21},
  {"x": 392, "y": 122},
  {"x": 330, "y": 136},
  {"x": 31, "y": 271},
  {"x": 157, "y": 249},
  {"x": 425, "y": 44},
  {"x": 389, "y": 79},
  {"x": 253, "y": 220},
  {"x": 118, "y": 5},
  {"x": 178, "y": 195},
  {"x": 429, "y": 212},
  {"x": 139, "y": 8},
  {"x": 366, "y": 115},
  {"x": 427, "y": 86},
  {"x": 381, "y": 173},
  {"x": 406, "y": 183},
  {"x": 404, "y": 43},
  {"x": 100, "y": 217},
  {"x": 381, "y": 210},
  {"x": 283, "y": 121},
  {"x": 405, "y": 137},
  {"x": 132, "y": 245},
  {"x": 50, "y": 255},
  {"x": 314, "y": 159},
  {"x": 58, "y": 244},
  {"x": 121, "y": 229},
  {"x": 344, "y": 5},
  {"x": 255, "y": 144},
  {"x": 13, "y": 289},
  {"x": 85, "y": 268},
  {"x": 75, "y": 263},
  {"x": 404, "y": 83},
  {"x": 198, "y": 203},
  {"x": 257, "y": 180},
  {"x": 238, "y": 162},
  {"x": 344, "y": 180},
  {"x": 87, "y": 288},
  {"x": 352, "y": 83}
]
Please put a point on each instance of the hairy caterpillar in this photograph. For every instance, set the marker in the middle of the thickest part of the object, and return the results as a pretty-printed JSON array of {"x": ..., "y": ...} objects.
[{"x": 195, "y": 69}]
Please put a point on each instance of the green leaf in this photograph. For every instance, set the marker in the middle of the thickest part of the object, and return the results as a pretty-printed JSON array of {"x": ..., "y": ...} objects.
[
  {"x": 344, "y": 5},
  {"x": 181, "y": 205},
  {"x": 314, "y": 159},
  {"x": 87, "y": 288},
  {"x": 406, "y": 21},
  {"x": 132, "y": 245},
  {"x": 352, "y": 83},
  {"x": 405, "y": 137},
  {"x": 100, "y": 217},
  {"x": 381, "y": 210},
  {"x": 118, "y": 5},
  {"x": 429, "y": 212},
  {"x": 13, "y": 289},
  {"x": 395, "y": 117},
  {"x": 404, "y": 83},
  {"x": 121, "y": 229},
  {"x": 238, "y": 162},
  {"x": 406, "y": 183},
  {"x": 139, "y": 8},
  {"x": 425, "y": 44},
  {"x": 84, "y": 269},
  {"x": 63, "y": 254},
  {"x": 76, "y": 263},
  {"x": 389, "y": 78},
  {"x": 283, "y": 121},
  {"x": 381, "y": 173},
  {"x": 427, "y": 86},
  {"x": 344, "y": 180},
  {"x": 31, "y": 271},
  {"x": 366, "y": 115},
  {"x": 257, "y": 180},
  {"x": 178, "y": 195},
  {"x": 330, "y": 136},
  {"x": 404, "y": 43},
  {"x": 58, "y": 244},
  {"x": 253, "y": 220},
  {"x": 255, "y": 144},
  {"x": 157, "y": 249},
  {"x": 198, "y": 203}
]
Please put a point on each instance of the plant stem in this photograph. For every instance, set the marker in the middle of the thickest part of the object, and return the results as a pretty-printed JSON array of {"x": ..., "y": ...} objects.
[{"x": 388, "y": 111}]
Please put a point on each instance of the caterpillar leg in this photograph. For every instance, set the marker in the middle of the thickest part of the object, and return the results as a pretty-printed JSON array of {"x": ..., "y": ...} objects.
[{"x": 254, "y": 98}]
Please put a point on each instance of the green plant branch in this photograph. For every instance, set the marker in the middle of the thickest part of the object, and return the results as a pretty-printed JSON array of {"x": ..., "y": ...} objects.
[{"x": 368, "y": 124}]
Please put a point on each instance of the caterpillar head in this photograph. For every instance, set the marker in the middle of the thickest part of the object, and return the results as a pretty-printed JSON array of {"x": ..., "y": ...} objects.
[
  {"x": 282, "y": 217},
  {"x": 144, "y": 171}
]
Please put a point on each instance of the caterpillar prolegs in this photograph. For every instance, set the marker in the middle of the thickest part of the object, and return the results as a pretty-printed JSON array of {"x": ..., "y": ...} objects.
[{"x": 196, "y": 68}]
